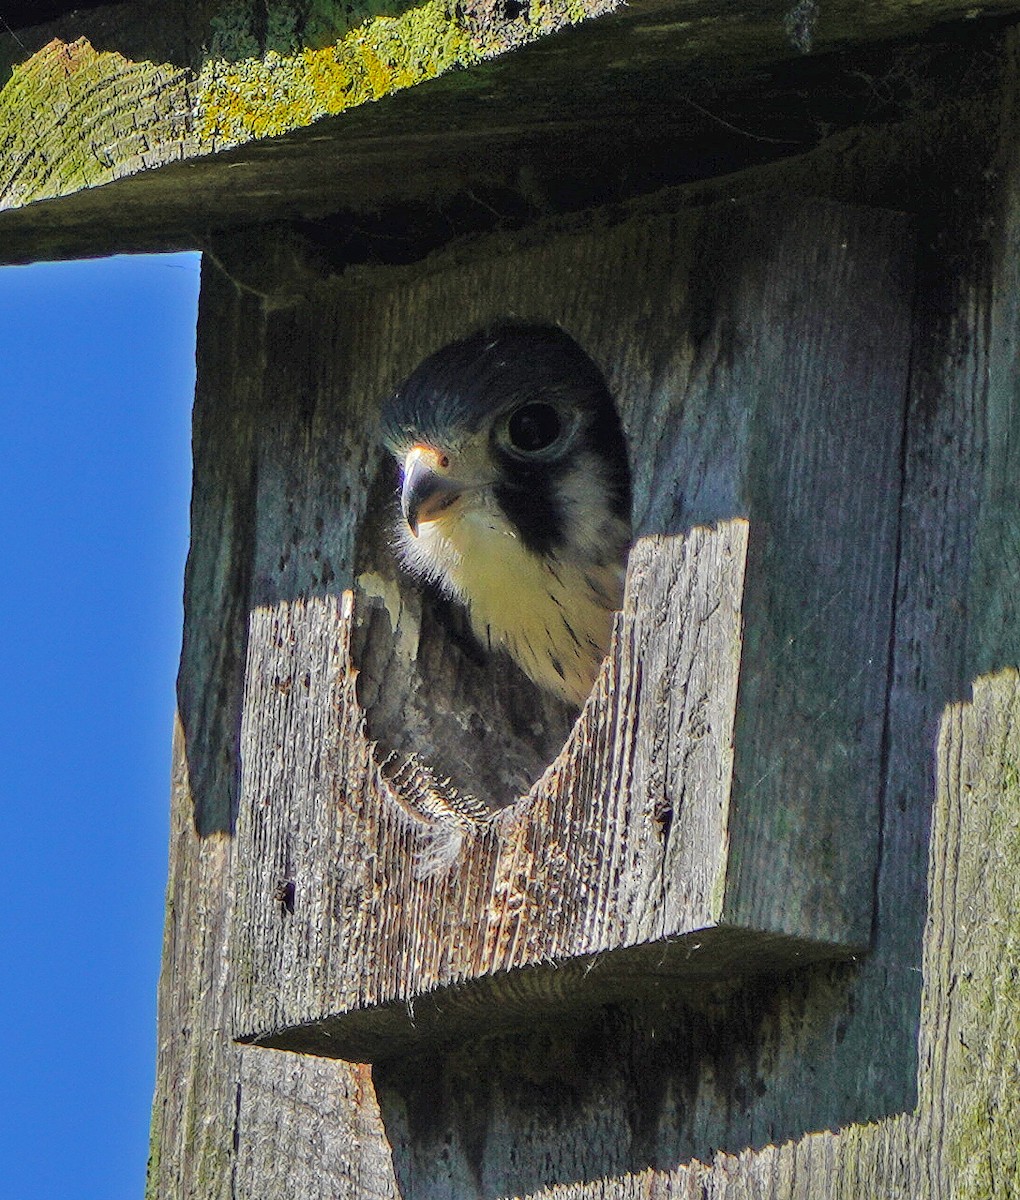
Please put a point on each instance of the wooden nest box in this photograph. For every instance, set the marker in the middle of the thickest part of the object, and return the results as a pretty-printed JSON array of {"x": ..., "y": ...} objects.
[
  {"x": 746, "y": 926},
  {"x": 714, "y": 810}
]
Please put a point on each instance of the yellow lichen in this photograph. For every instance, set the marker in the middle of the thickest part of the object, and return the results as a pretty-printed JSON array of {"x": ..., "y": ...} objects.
[
  {"x": 258, "y": 97},
  {"x": 61, "y": 126}
]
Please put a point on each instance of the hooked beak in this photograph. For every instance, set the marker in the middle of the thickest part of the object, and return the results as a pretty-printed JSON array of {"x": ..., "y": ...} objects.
[{"x": 427, "y": 491}]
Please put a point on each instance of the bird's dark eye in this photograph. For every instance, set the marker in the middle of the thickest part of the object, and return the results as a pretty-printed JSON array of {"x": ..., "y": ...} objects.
[{"x": 534, "y": 427}]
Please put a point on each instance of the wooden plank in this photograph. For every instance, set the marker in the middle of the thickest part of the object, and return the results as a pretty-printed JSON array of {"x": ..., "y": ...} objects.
[
  {"x": 146, "y": 126},
  {"x": 765, "y": 560},
  {"x": 825, "y": 492},
  {"x": 193, "y": 1116},
  {"x": 215, "y": 1108}
]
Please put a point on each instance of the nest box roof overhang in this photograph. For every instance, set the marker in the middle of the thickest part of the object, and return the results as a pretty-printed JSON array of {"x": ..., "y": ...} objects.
[{"x": 142, "y": 126}]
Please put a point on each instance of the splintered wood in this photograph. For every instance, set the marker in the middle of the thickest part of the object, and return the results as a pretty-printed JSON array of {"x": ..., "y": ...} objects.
[{"x": 426, "y": 841}]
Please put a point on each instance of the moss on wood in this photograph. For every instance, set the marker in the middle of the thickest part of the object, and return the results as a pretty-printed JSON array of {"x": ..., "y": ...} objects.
[
  {"x": 69, "y": 120},
  {"x": 164, "y": 85},
  {"x": 984, "y": 1072},
  {"x": 259, "y": 95},
  {"x": 73, "y": 116}
]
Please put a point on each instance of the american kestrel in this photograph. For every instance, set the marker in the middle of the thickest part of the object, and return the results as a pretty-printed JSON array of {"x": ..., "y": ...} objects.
[{"x": 515, "y": 496}]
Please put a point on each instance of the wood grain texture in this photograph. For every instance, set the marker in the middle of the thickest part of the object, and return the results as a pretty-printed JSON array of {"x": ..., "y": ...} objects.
[
  {"x": 218, "y": 1114},
  {"x": 77, "y": 116},
  {"x": 824, "y": 495},
  {"x": 99, "y": 96},
  {"x": 747, "y": 354}
]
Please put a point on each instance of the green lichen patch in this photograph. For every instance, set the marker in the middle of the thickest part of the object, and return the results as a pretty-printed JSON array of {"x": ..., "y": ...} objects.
[
  {"x": 259, "y": 96},
  {"x": 70, "y": 119}
]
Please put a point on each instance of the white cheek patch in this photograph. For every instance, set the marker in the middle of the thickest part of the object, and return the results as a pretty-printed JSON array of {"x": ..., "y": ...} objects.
[
  {"x": 582, "y": 494},
  {"x": 430, "y": 556},
  {"x": 468, "y": 541}
]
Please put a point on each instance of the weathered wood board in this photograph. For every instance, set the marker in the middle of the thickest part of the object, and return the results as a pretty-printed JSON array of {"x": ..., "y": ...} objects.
[
  {"x": 149, "y": 125},
  {"x": 715, "y": 810},
  {"x": 217, "y": 1107}
]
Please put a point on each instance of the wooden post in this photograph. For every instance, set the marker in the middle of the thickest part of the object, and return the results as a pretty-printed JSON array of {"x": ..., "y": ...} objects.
[{"x": 530, "y": 984}]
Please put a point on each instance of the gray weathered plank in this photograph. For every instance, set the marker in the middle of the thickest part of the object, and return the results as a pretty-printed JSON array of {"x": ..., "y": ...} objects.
[
  {"x": 896, "y": 1078},
  {"x": 218, "y": 1109},
  {"x": 141, "y": 127}
]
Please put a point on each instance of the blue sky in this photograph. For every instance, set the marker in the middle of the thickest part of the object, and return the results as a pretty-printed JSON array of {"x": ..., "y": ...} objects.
[{"x": 96, "y": 385}]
